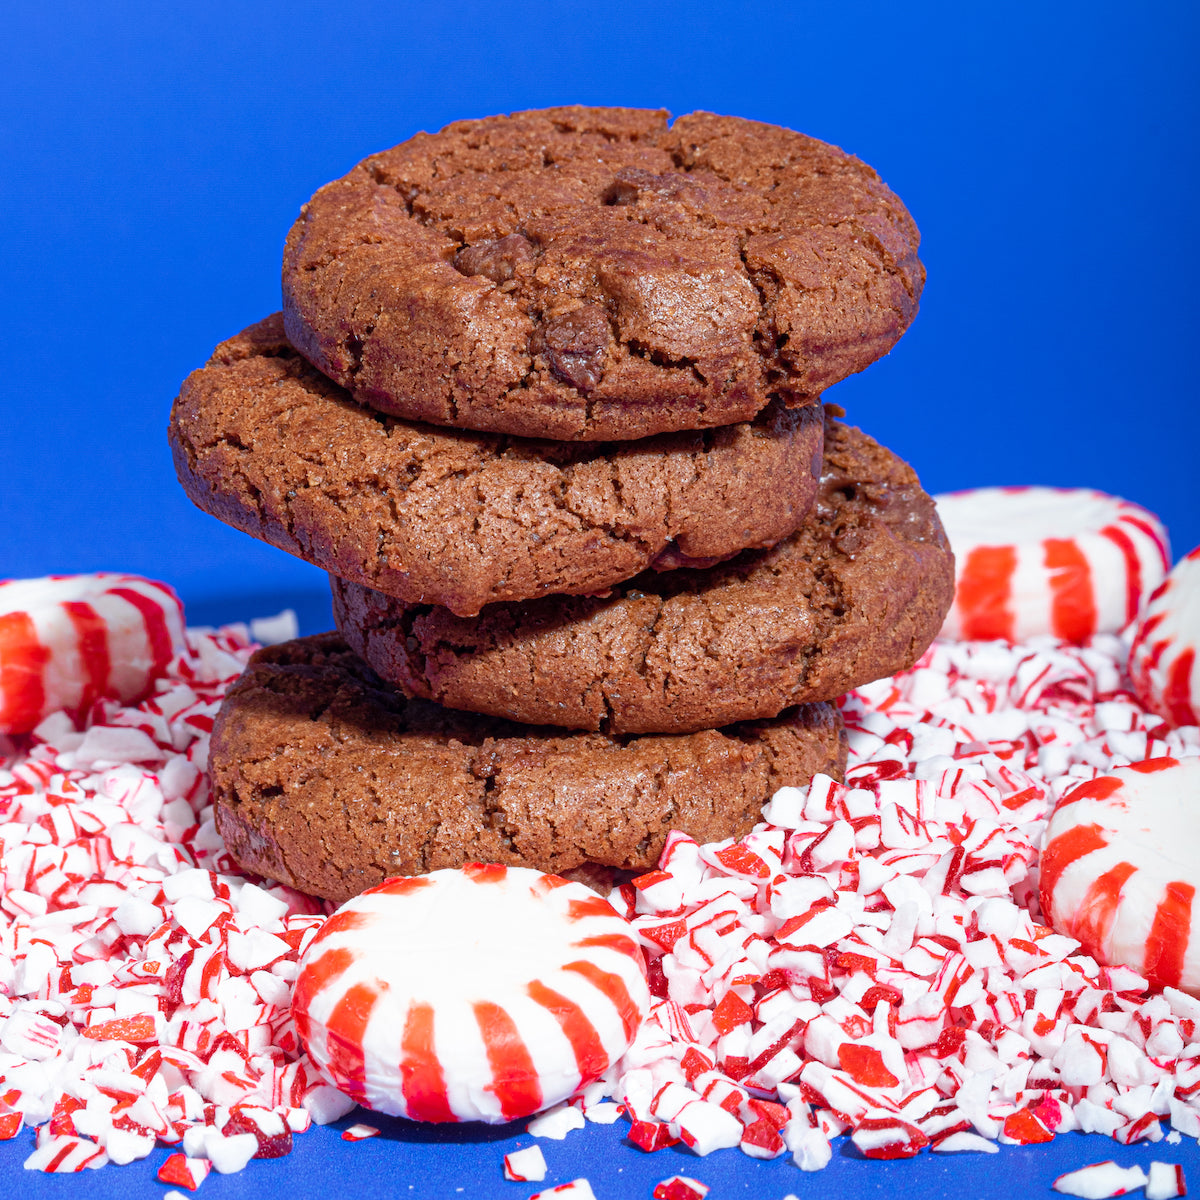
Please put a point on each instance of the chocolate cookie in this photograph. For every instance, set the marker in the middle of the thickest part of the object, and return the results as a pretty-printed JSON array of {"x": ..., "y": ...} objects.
[
  {"x": 584, "y": 273},
  {"x": 441, "y": 516},
  {"x": 327, "y": 779},
  {"x": 857, "y": 593}
]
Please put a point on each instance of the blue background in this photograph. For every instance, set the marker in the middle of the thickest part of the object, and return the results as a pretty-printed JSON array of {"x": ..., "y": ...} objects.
[{"x": 152, "y": 157}]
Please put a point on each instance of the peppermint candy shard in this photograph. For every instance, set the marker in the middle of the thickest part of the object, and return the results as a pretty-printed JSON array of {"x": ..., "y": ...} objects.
[
  {"x": 359, "y": 1133},
  {"x": 577, "y": 1189},
  {"x": 1030, "y": 561},
  {"x": 680, "y": 1187},
  {"x": 183, "y": 1171},
  {"x": 1165, "y": 1181},
  {"x": 482, "y": 994},
  {"x": 67, "y": 641},
  {"x": 527, "y": 1165},
  {"x": 1163, "y": 657},
  {"x": 1120, "y": 867},
  {"x": 1100, "y": 1181}
]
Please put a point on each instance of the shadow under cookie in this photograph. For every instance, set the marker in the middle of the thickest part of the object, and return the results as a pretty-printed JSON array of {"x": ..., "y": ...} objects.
[
  {"x": 327, "y": 779},
  {"x": 856, "y": 594}
]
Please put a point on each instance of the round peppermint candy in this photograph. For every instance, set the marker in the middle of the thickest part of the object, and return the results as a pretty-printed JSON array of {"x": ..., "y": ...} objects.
[
  {"x": 67, "y": 640},
  {"x": 1120, "y": 867},
  {"x": 1162, "y": 659},
  {"x": 1070, "y": 562},
  {"x": 482, "y": 994}
]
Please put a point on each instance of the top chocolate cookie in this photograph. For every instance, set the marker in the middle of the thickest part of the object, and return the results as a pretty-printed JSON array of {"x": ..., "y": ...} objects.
[{"x": 583, "y": 273}]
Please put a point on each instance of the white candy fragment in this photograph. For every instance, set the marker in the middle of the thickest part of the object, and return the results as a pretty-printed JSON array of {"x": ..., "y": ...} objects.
[
  {"x": 1101, "y": 1180},
  {"x": 525, "y": 1166},
  {"x": 1165, "y": 1181},
  {"x": 230, "y": 1154},
  {"x": 359, "y": 1132},
  {"x": 577, "y": 1189},
  {"x": 555, "y": 1123},
  {"x": 270, "y": 631},
  {"x": 603, "y": 1113}
]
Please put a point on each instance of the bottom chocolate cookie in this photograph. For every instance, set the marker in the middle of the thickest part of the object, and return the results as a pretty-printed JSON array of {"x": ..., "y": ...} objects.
[{"x": 329, "y": 780}]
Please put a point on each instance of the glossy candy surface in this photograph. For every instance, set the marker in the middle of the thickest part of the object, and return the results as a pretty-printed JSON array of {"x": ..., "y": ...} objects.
[
  {"x": 1162, "y": 659},
  {"x": 68, "y": 640},
  {"x": 485, "y": 994},
  {"x": 1120, "y": 867},
  {"x": 1071, "y": 562}
]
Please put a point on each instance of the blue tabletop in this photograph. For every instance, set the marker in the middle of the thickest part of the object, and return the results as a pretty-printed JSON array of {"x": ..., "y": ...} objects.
[
  {"x": 155, "y": 155},
  {"x": 422, "y": 1163}
]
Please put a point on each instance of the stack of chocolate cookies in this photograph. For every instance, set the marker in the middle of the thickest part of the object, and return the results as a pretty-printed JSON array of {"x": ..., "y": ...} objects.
[{"x": 545, "y": 400}]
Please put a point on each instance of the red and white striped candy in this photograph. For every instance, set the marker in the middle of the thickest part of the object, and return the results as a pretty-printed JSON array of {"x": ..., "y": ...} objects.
[
  {"x": 67, "y": 640},
  {"x": 485, "y": 994},
  {"x": 1120, "y": 866},
  {"x": 1162, "y": 659},
  {"x": 1035, "y": 560}
]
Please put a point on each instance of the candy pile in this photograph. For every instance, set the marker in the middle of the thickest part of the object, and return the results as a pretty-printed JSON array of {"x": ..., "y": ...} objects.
[
  {"x": 870, "y": 961},
  {"x": 145, "y": 989},
  {"x": 867, "y": 960}
]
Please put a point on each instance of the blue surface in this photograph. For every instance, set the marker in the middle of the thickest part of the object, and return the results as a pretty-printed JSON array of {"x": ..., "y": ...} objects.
[
  {"x": 155, "y": 155},
  {"x": 409, "y": 1162}
]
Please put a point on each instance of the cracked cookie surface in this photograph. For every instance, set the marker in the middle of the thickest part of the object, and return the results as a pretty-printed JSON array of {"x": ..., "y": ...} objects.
[
  {"x": 590, "y": 273},
  {"x": 432, "y": 515},
  {"x": 856, "y": 594},
  {"x": 329, "y": 780}
]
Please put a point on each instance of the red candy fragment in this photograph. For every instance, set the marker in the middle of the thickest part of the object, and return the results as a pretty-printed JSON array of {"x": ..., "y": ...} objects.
[
  {"x": 181, "y": 1171},
  {"x": 680, "y": 1187}
]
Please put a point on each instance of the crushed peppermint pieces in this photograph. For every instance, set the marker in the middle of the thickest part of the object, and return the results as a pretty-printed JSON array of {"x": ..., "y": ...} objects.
[
  {"x": 145, "y": 984},
  {"x": 359, "y": 1133},
  {"x": 870, "y": 960}
]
